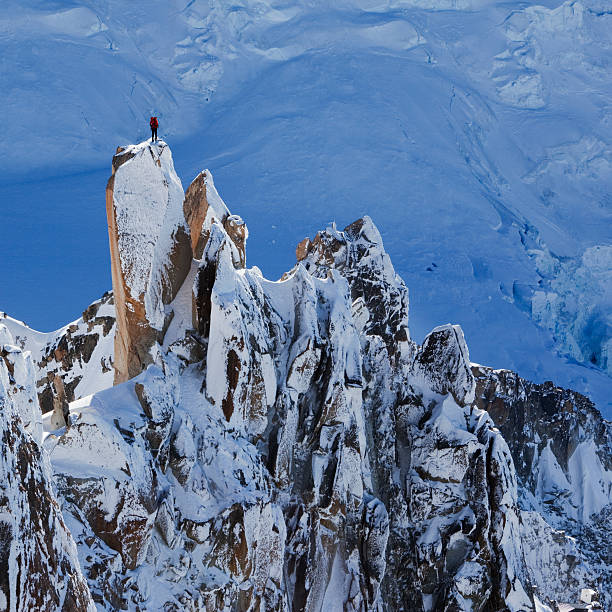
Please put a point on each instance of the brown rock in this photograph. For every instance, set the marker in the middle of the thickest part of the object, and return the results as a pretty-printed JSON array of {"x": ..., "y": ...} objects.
[
  {"x": 120, "y": 157},
  {"x": 195, "y": 209},
  {"x": 71, "y": 351},
  {"x": 302, "y": 250},
  {"x": 134, "y": 337},
  {"x": 125, "y": 523},
  {"x": 202, "y": 207},
  {"x": 237, "y": 231},
  {"x": 129, "y": 314},
  {"x": 61, "y": 411}
]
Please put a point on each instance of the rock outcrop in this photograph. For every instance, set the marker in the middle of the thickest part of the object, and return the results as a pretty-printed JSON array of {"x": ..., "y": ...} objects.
[
  {"x": 39, "y": 566},
  {"x": 287, "y": 446},
  {"x": 80, "y": 353},
  {"x": 61, "y": 411},
  {"x": 202, "y": 207},
  {"x": 562, "y": 450},
  {"x": 154, "y": 232}
]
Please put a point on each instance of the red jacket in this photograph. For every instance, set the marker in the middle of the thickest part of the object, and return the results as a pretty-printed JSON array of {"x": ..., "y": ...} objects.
[{"x": 154, "y": 123}]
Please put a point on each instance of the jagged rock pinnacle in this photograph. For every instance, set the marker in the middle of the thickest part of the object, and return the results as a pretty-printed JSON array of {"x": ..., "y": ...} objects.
[
  {"x": 150, "y": 250},
  {"x": 284, "y": 445},
  {"x": 155, "y": 230}
]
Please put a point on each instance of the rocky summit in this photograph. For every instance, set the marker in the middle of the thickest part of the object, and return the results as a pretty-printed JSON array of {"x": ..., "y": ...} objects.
[{"x": 206, "y": 439}]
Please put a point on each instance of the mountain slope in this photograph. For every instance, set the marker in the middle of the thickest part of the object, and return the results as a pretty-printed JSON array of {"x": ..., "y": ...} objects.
[{"x": 476, "y": 134}]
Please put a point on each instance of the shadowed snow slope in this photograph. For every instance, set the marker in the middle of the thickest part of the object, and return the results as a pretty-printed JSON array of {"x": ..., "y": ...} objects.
[{"x": 476, "y": 133}]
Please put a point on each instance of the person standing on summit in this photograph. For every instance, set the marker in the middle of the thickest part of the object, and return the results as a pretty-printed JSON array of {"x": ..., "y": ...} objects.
[{"x": 154, "y": 123}]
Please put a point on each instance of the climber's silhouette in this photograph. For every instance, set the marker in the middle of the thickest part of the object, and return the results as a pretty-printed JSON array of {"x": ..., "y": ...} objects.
[{"x": 154, "y": 123}]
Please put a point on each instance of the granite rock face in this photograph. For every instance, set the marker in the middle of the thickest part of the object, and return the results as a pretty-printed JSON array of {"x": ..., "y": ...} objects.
[
  {"x": 202, "y": 207},
  {"x": 155, "y": 230}
]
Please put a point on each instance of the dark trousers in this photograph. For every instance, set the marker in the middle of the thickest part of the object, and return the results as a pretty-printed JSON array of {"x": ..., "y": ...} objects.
[{"x": 153, "y": 133}]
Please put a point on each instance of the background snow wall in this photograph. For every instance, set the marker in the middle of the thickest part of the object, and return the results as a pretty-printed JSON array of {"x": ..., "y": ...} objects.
[{"x": 476, "y": 134}]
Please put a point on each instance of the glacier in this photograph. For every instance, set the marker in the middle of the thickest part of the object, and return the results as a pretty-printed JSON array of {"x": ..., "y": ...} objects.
[{"x": 475, "y": 133}]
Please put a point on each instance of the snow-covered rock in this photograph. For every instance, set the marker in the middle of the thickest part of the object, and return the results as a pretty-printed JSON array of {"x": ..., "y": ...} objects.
[
  {"x": 287, "y": 446},
  {"x": 430, "y": 457},
  {"x": 547, "y": 548},
  {"x": 444, "y": 363},
  {"x": 38, "y": 558},
  {"x": 80, "y": 353},
  {"x": 202, "y": 207},
  {"x": 562, "y": 450},
  {"x": 21, "y": 383}
]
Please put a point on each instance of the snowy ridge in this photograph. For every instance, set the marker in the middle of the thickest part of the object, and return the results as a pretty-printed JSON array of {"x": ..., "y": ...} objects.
[{"x": 81, "y": 352}]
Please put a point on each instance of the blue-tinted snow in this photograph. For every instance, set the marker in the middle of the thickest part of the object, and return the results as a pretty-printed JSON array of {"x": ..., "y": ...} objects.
[{"x": 476, "y": 134}]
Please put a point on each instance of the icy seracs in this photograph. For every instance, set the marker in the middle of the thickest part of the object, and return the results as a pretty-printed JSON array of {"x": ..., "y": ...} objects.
[{"x": 286, "y": 445}]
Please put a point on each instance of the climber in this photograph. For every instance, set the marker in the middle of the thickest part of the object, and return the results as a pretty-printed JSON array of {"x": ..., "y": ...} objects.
[{"x": 154, "y": 123}]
